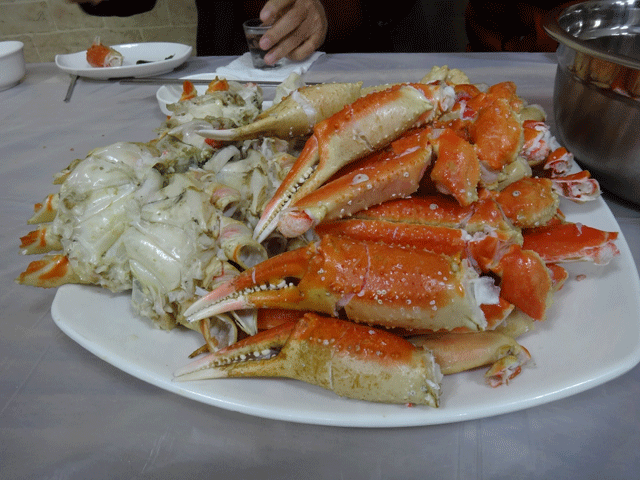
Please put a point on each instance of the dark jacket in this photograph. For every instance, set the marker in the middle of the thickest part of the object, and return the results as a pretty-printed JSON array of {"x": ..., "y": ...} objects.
[
  {"x": 509, "y": 25},
  {"x": 354, "y": 26}
]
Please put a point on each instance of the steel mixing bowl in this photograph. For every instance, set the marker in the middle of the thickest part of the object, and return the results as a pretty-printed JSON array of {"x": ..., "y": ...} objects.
[{"x": 597, "y": 90}]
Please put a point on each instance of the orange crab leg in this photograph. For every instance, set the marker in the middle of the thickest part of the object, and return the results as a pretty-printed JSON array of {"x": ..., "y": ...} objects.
[
  {"x": 579, "y": 187},
  {"x": 188, "y": 91},
  {"x": 569, "y": 242},
  {"x": 456, "y": 170},
  {"x": 362, "y": 127},
  {"x": 459, "y": 352},
  {"x": 351, "y": 360},
  {"x": 524, "y": 279},
  {"x": 389, "y": 173},
  {"x": 100, "y": 55},
  {"x": 370, "y": 282},
  {"x": 558, "y": 163},
  {"x": 529, "y": 202},
  {"x": 536, "y": 147},
  {"x": 294, "y": 116},
  {"x": 496, "y": 130}
]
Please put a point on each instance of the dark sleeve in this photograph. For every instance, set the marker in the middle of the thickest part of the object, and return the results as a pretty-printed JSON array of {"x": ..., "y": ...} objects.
[{"x": 118, "y": 8}]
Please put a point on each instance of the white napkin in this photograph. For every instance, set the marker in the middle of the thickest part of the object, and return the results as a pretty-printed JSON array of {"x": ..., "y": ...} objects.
[{"x": 242, "y": 69}]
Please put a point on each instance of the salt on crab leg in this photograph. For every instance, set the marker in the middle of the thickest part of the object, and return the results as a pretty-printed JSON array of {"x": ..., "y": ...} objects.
[{"x": 354, "y": 361}]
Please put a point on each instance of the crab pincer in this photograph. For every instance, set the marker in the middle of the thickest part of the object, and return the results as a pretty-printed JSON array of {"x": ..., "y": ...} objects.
[
  {"x": 368, "y": 282},
  {"x": 359, "y": 129},
  {"x": 392, "y": 172},
  {"x": 295, "y": 115},
  {"x": 354, "y": 361}
]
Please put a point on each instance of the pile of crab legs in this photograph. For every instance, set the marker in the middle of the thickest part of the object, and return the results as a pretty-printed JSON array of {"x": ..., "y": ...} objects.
[{"x": 434, "y": 209}]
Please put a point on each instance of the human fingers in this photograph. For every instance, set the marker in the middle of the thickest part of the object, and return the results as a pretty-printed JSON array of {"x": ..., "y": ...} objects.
[
  {"x": 297, "y": 46},
  {"x": 274, "y": 9},
  {"x": 300, "y": 31},
  {"x": 286, "y": 17}
]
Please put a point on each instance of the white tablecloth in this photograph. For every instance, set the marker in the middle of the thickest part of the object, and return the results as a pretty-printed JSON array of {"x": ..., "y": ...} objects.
[{"x": 64, "y": 413}]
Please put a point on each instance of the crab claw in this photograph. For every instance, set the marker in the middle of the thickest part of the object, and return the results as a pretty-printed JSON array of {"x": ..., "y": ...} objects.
[
  {"x": 359, "y": 129},
  {"x": 389, "y": 173},
  {"x": 295, "y": 115},
  {"x": 370, "y": 282},
  {"x": 351, "y": 360}
]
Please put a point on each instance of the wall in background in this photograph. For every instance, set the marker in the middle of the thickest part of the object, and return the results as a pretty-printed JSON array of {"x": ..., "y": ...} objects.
[{"x": 49, "y": 27}]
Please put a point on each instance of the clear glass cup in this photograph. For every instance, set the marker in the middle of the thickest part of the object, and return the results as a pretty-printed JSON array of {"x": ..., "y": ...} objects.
[{"x": 254, "y": 29}]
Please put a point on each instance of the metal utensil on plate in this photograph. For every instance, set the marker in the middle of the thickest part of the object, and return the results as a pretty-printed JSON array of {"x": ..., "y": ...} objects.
[{"x": 72, "y": 85}]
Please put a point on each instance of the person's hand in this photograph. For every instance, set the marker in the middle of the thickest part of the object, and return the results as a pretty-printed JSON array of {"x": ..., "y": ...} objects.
[{"x": 298, "y": 28}]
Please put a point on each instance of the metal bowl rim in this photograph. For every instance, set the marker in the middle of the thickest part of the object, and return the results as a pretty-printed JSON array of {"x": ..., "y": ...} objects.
[{"x": 553, "y": 28}]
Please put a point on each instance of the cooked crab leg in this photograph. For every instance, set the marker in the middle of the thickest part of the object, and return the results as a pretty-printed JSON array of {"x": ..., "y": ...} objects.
[
  {"x": 371, "y": 282},
  {"x": 559, "y": 162},
  {"x": 389, "y": 173},
  {"x": 45, "y": 211},
  {"x": 351, "y": 360},
  {"x": 570, "y": 242},
  {"x": 100, "y": 55},
  {"x": 458, "y": 352},
  {"x": 579, "y": 187},
  {"x": 41, "y": 240},
  {"x": 50, "y": 271},
  {"x": 456, "y": 170},
  {"x": 496, "y": 129},
  {"x": 295, "y": 115},
  {"x": 366, "y": 125},
  {"x": 529, "y": 202},
  {"x": 524, "y": 278}
]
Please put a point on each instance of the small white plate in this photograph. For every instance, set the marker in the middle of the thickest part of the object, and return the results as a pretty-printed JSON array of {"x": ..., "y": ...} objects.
[
  {"x": 591, "y": 335},
  {"x": 168, "y": 94},
  {"x": 157, "y": 53}
]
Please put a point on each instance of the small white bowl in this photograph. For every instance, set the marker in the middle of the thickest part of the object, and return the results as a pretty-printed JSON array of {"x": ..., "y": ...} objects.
[{"x": 12, "y": 67}]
